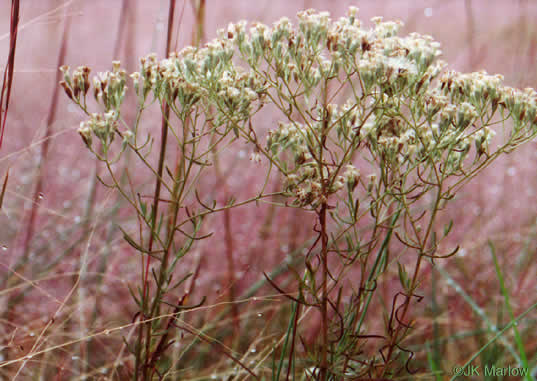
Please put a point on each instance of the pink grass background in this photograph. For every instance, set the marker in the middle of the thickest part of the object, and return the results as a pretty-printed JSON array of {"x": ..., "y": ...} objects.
[{"x": 500, "y": 204}]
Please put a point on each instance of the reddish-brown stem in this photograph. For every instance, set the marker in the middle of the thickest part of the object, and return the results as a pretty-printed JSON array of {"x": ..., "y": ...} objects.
[
  {"x": 197, "y": 38},
  {"x": 156, "y": 198},
  {"x": 8, "y": 72},
  {"x": 324, "y": 246},
  {"x": 3, "y": 191},
  {"x": 324, "y": 297}
]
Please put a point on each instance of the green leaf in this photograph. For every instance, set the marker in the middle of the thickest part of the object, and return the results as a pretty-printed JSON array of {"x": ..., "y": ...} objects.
[
  {"x": 180, "y": 281},
  {"x": 136, "y": 299},
  {"x": 403, "y": 276},
  {"x": 448, "y": 227},
  {"x": 136, "y": 246},
  {"x": 131, "y": 241},
  {"x": 143, "y": 208},
  {"x": 518, "y": 339}
]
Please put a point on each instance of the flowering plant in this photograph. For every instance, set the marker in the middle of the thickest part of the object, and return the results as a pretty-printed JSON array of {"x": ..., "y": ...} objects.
[{"x": 371, "y": 126}]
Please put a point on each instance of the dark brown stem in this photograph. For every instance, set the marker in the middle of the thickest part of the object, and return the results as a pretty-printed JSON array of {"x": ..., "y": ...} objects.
[
  {"x": 8, "y": 72},
  {"x": 324, "y": 297},
  {"x": 324, "y": 245},
  {"x": 156, "y": 198}
]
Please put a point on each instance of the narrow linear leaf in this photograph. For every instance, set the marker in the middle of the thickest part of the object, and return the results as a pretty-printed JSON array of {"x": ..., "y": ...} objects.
[
  {"x": 447, "y": 228},
  {"x": 505, "y": 292}
]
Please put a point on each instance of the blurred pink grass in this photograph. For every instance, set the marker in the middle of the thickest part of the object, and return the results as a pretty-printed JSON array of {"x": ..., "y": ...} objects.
[{"x": 494, "y": 206}]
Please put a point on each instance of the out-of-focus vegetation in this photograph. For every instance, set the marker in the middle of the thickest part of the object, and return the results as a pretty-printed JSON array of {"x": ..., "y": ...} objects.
[{"x": 76, "y": 258}]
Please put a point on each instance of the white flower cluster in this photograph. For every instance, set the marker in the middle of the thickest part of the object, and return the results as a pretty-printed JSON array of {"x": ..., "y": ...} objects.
[
  {"x": 103, "y": 126},
  {"x": 304, "y": 178},
  {"x": 181, "y": 80},
  {"x": 476, "y": 87},
  {"x": 206, "y": 74},
  {"x": 398, "y": 106},
  {"x": 109, "y": 87},
  {"x": 521, "y": 103},
  {"x": 76, "y": 85},
  {"x": 482, "y": 90},
  {"x": 306, "y": 185},
  {"x": 292, "y": 136},
  {"x": 383, "y": 63}
]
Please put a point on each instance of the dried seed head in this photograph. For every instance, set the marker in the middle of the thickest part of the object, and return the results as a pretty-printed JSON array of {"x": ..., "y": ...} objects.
[{"x": 67, "y": 90}]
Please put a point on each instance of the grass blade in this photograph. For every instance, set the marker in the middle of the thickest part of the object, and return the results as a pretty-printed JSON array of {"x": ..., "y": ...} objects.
[{"x": 505, "y": 292}]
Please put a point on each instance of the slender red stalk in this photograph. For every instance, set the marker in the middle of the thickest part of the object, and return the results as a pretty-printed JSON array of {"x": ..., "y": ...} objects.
[
  {"x": 156, "y": 198},
  {"x": 324, "y": 291},
  {"x": 8, "y": 72},
  {"x": 3, "y": 192}
]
